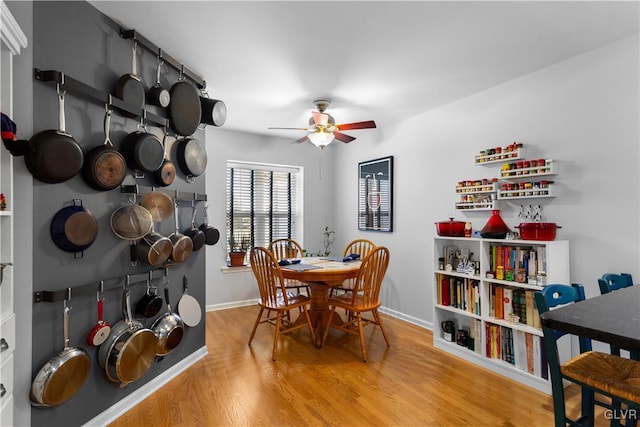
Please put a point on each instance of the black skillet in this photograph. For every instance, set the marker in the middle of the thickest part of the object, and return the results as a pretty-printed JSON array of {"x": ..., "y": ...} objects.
[
  {"x": 104, "y": 166},
  {"x": 184, "y": 109},
  {"x": 53, "y": 156},
  {"x": 129, "y": 87}
]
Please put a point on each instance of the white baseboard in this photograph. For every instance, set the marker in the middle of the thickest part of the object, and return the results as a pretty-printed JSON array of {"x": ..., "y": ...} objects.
[
  {"x": 121, "y": 407},
  {"x": 235, "y": 304}
]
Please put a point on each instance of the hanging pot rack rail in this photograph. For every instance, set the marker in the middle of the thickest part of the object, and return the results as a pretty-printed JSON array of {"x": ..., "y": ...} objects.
[
  {"x": 93, "y": 287},
  {"x": 178, "y": 195},
  {"x": 68, "y": 83},
  {"x": 162, "y": 55}
]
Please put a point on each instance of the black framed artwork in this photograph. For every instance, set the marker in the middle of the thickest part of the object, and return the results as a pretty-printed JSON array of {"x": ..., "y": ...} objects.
[{"x": 375, "y": 194}]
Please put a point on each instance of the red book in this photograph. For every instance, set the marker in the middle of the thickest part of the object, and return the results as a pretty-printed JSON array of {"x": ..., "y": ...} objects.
[{"x": 444, "y": 291}]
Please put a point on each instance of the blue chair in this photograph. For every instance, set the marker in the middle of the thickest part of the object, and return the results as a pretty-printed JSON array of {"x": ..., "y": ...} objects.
[
  {"x": 610, "y": 282},
  {"x": 593, "y": 371}
]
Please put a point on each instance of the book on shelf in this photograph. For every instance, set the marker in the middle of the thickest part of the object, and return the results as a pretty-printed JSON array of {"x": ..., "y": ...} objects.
[{"x": 521, "y": 349}]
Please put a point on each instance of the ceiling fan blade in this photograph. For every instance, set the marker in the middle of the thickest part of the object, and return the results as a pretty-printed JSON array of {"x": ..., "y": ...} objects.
[
  {"x": 320, "y": 119},
  {"x": 342, "y": 137},
  {"x": 290, "y": 128},
  {"x": 357, "y": 125},
  {"x": 303, "y": 139}
]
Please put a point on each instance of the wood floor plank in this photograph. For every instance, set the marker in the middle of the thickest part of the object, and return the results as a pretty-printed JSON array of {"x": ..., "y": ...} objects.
[{"x": 408, "y": 384}]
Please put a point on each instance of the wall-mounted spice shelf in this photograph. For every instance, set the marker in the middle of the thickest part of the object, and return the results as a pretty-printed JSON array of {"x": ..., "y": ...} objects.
[{"x": 511, "y": 152}]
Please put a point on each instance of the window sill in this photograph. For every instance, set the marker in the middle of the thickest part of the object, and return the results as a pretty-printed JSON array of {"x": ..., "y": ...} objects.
[{"x": 229, "y": 270}]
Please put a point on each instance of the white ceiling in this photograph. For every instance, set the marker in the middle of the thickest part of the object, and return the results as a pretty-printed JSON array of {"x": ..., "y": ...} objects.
[{"x": 375, "y": 60}]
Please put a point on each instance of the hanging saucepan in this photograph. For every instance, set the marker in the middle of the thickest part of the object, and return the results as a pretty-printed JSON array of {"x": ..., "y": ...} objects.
[
  {"x": 99, "y": 333},
  {"x": 74, "y": 228},
  {"x": 158, "y": 204},
  {"x": 143, "y": 150},
  {"x": 192, "y": 157},
  {"x": 194, "y": 233},
  {"x": 154, "y": 248},
  {"x": 53, "y": 156},
  {"x": 158, "y": 95},
  {"x": 150, "y": 304},
  {"x": 182, "y": 245},
  {"x": 184, "y": 109},
  {"x": 130, "y": 349},
  {"x": 212, "y": 235},
  {"x": 63, "y": 375},
  {"x": 131, "y": 222},
  {"x": 167, "y": 172},
  {"x": 169, "y": 328},
  {"x": 129, "y": 86},
  {"x": 214, "y": 111},
  {"x": 104, "y": 167}
]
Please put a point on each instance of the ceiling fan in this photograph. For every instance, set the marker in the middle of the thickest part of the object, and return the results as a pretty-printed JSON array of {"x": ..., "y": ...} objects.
[{"x": 323, "y": 128}]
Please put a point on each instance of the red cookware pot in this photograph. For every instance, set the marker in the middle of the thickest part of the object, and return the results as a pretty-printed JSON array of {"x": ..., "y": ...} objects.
[
  {"x": 538, "y": 230},
  {"x": 99, "y": 333},
  {"x": 450, "y": 228}
]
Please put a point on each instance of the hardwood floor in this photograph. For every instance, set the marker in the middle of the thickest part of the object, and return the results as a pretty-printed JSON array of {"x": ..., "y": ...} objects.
[{"x": 409, "y": 384}]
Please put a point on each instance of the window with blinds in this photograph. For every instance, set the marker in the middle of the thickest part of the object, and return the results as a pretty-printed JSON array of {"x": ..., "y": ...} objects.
[{"x": 264, "y": 202}]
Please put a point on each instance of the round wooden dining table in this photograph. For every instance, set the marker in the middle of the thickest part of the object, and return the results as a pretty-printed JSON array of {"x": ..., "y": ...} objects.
[{"x": 323, "y": 275}]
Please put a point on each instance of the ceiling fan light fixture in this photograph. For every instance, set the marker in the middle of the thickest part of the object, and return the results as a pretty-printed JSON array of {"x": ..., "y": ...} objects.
[{"x": 321, "y": 138}]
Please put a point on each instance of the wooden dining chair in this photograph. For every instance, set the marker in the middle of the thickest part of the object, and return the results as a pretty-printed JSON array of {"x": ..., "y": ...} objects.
[
  {"x": 361, "y": 247},
  {"x": 289, "y": 249},
  {"x": 594, "y": 372},
  {"x": 365, "y": 298},
  {"x": 274, "y": 298}
]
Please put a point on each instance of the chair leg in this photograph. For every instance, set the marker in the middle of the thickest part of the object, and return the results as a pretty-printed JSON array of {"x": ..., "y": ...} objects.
[
  {"x": 361, "y": 331},
  {"x": 376, "y": 316},
  {"x": 255, "y": 325},
  {"x": 276, "y": 335},
  {"x": 327, "y": 326},
  {"x": 313, "y": 334},
  {"x": 587, "y": 404}
]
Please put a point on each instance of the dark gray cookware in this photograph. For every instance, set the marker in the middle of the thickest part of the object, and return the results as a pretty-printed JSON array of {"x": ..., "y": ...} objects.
[
  {"x": 212, "y": 235},
  {"x": 105, "y": 167},
  {"x": 130, "y": 349},
  {"x": 169, "y": 328},
  {"x": 53, "y": 156},
  {"x": 150, "y": 304},
  {"x": 184, "y": 109},
  {"x": 182, "y": 245},
  {"x": 214, "y": 111},
  {"x": 157, "y": 95},
  {"x": 62, "y": 376},
  {"x": 143, "y": 150},
  {"x": 194, "y": 233},
  {"x": 192, "y": 157},
  {"x": 74, "y": 228},
  {"x": 166, "y": 174},
  {"x": 129, "y": 87}
]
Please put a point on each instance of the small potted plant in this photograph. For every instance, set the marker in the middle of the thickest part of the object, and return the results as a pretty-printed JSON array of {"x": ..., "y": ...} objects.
[{"x": 238, "y": 246}]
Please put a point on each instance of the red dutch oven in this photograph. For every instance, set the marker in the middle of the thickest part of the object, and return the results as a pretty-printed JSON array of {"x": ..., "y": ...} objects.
[
  {"x": 450, "y": 228},
  {"x": 538, "y": 230}
]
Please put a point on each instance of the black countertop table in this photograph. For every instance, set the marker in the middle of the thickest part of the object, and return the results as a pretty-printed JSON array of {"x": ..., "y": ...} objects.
[{"x": 613, "y": 318}]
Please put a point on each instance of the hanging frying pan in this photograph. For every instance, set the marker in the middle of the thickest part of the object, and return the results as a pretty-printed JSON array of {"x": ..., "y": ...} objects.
[
  {"x": 151, "y": 303},
  {"x": 158, "y": 95},
  {"x": 214, "y": 111},
  {"x": 189, "y": 307},
  {"x": 63, "y": 375},
  {"x": 53, "y": 156},
  {"x": 129, "y": 351},
  {"x": 99, "y": 333},
  {"x": 142, "y": 150},
  {"x": 184, "y": 109},
  {"x": 74, "y": 228},
  {"x": 166, "y": 174},
  {"x": 104, "y": 166},
  {"x": 182, "y": 245},
  {"x": 194, "y": 233},
  {"x": 129, "y": 86},
  {"x": 158, "y": 204},
  {"x": 169, "y": 328},
  {"x": 212, "y": 235},
  {"x": 192, "y": 157}
]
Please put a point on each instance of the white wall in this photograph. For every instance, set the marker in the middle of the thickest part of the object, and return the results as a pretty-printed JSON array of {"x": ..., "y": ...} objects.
[
  {"x": 222, "y": 145},
  {"x": 583, "y": 112}
]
